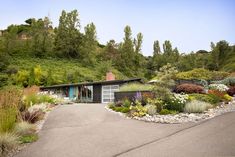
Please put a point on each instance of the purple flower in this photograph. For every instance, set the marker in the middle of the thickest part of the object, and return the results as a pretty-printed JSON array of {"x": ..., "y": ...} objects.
[{"x": 138, "y": 96}]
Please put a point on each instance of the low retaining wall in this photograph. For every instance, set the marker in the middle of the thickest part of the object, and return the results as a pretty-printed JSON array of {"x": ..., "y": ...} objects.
[{"x": 131, "y": 95}]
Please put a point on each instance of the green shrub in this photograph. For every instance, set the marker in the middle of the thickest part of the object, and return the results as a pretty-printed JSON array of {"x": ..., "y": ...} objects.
[
  {"x": 24, "y": 128},
  {"x": 196, "y": 106},
  {"x": 29, "y": 138},
  {"x": 209, "y": 98},
  {"x": 166, "y": 111},
  {"x": 8, "y": 142},
  {"x": 126, "y": 103},
  {"x": 136, "y": 87},
  {"x": 201, "y": 73},
  {"x": 227, "y": 97},
  {"x": 125, "y": 110}
]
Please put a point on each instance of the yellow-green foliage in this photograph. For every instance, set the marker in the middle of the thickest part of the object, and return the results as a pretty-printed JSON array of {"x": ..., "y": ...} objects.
[
  {"x": 136, "y": 87},
  {"x": 10, "y": 101},
  {"x": 201, "y": 73},
  {"x": 34, "y": 98},
  {"x": 228, "y": 97}
]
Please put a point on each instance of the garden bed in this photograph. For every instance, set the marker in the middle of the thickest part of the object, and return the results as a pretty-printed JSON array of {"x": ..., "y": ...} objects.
[{"x": 183, "y": 117}]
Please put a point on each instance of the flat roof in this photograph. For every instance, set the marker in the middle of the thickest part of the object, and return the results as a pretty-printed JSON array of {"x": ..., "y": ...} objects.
[{"x": 92, "y": 83}]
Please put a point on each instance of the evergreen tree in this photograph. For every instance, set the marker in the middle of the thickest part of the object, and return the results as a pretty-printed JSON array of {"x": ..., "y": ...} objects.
[{"x": 68, "y": 35}]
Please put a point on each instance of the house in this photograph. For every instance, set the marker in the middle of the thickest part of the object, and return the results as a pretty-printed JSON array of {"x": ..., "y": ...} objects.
[{"x": 95, "y": 92}]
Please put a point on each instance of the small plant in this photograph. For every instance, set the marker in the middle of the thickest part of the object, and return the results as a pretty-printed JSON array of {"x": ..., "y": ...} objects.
[
  {"x": 228, "y": 97},
  {"x": 156, "y": 102},
  {"x": 189, "y": 88},
  {"x": 126, "y": 103},
  {"x": 151, "y": 109},
  {"x": 218, "y": 87},
  {"x": 8, "y": 142},
  {"x": 28, "y": 138},
  {"x": 24, "y": 128},
  {"x": 138, "y": 110},
  {"x": 166, "y": 111},
  {"x": 196, "y": 106},
  {"x": 32, "y": 116}
]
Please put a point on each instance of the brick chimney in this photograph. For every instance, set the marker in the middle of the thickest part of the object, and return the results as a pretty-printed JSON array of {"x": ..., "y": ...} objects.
[{"x": 110, "y": 76}]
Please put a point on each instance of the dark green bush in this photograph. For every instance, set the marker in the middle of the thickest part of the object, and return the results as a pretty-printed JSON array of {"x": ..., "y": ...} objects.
[
  {"x": 126, "y": 103},
  {"x": 28, "y": 138}
]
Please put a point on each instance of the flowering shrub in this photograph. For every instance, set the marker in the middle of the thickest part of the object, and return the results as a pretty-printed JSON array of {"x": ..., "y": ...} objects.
[
  {"x": 189, "y": 88},
  {"x": 218, "y": 87},
  {"x": 177, "y": 102}
]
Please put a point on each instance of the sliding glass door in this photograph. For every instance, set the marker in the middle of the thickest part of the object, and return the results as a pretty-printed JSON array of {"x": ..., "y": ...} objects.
[{"x": 86, "y": 94}]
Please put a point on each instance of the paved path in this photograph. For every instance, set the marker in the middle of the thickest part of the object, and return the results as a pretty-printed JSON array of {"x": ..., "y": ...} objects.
[{"x": 90, "y": 130}]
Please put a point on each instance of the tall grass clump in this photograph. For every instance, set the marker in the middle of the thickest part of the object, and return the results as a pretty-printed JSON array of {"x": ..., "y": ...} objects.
[
  {"x": 136, "y": 87},
  {"x": 10, "y": 103},
  {"x": 196, "y": 106},
  {"x": 8, "y": 141},
  {"x": 24, "y": 128}
]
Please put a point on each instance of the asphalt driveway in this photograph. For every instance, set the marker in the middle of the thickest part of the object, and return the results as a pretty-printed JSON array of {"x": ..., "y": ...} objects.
[{"x": 92, "y": 131}]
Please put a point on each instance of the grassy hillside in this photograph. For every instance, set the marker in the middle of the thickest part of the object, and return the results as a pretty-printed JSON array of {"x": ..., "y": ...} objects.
[{"x": 63, "y": 70}]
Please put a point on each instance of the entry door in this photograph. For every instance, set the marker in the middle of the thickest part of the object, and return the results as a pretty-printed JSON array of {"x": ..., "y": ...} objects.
[{"x": 108, "y": 93}]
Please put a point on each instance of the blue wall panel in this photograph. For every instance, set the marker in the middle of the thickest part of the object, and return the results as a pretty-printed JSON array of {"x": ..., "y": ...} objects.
[{"x": 71, "y": 92}]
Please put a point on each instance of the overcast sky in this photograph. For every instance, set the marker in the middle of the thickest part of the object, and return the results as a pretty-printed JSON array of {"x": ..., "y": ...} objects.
[{"x": 189, "y": 25}]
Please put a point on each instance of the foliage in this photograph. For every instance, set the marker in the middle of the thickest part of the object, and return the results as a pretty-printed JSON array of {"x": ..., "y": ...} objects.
[
  {"x": 227, "y": 97},
  {"x": 201, "y": 73},
  {"x": 164, "y": 81},
  {"x": 217, "y": 93},
  {"x": 8, "y": 142},
  {"x": 158, "y": 103},
  {"x": 166, "y": 111},
  {"x": 209, "y": 98},
  {"x": 120, "y": 109},
  {"x": 126, "y": 103},
  {"x": 24, "y": 128},
  {"x": 177, "y": 102},
  {"x": 196, "y": 106},
  {"x": 218, "y": 87},
  {"x": 189, "y": 88},
  {"x": 33, "y": 99},
  {"x": 10, "y": 103},
  {"x": 136, "y": 87},
  {"x": 231, "y": 91},
  {"x": 28, "y": 138},
  {"x": 229, "y": 81},
  {"x": 151, "y": 109},
  {"x": 32, "y": 116},
  {"x": 138, "y": 110}
]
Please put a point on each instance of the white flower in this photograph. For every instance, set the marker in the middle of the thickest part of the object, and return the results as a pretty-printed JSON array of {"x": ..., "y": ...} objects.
[{"x": 219, "y": 87}]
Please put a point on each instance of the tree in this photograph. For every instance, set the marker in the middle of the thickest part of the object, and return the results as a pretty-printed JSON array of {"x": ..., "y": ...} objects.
[
  {"x": 89, "y": 45},
  {"x": 138, "y": 42},
  {"x": 156, "y": 48},
  {"x": 68, "y": 35},
  {"x": 42, "y": 36}
]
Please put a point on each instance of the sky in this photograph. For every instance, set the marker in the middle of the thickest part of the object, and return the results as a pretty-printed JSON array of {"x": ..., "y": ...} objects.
[{"x": 189, "y": 24}]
